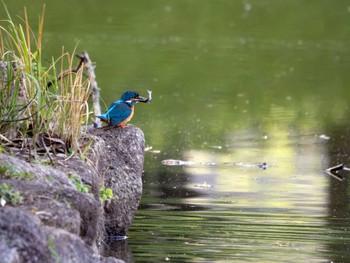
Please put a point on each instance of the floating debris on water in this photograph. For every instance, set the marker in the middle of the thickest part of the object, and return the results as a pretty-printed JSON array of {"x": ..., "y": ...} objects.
[
  {"x": 173, "y": 162},
  {"x": 219, "y": 147},
  {"x": 258, "y": 165},
  {"x": 263, "y": 166},
  {"x": 324, "y": 137},
  {"x": 149, "y": 149},
  {"x": 203, "y": 186}
]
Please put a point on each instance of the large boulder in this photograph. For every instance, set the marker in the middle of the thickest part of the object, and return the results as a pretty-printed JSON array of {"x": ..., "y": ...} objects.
[
  {"x": 56, "y": 221},
  {"x": 52, "y": 213},
  {"x": 24, "y": 240},
  {"x": 121, "y": 165},
  {"x": 50, "y": 194}
]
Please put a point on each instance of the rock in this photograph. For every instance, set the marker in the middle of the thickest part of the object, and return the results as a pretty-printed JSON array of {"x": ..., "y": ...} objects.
[
  {"x": 69, "y": 248},
  {"x": 87, "y": 174},
  {"x": 40, "y": 173},
  {"x": 56, "y": 222},
  {"x": 121, "y": 164},
  {"x": 51, "y": 203},
  {"x": 8, "y": 255},
  {"x": 57, "y": 214},
  {"x": 23, "y": 236},
  {"x": 23, "y": 239},
  {"x": 50, "y": 188}
]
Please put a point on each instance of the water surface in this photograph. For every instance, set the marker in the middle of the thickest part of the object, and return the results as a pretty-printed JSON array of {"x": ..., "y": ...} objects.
[{"x": 234, "y": 82}]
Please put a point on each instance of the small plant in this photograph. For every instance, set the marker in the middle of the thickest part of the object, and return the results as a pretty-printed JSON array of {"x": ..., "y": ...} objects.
[
  {"x": 8, "y": 195},
  {"x": 81, "y": 187},
  {"x": 2, "y": 149},
  {"x": 106, "y": 195},
  {"x": 12, "y": 173}
]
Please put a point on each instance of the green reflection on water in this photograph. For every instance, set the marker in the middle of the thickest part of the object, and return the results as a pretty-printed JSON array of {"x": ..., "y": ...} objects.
[
  {"x": 226, "y": 237},
  {"x": 262, "y": 80}
]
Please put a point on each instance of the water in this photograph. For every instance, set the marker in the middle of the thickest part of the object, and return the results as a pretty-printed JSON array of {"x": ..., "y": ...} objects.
[{"x": 235, "y": 84}]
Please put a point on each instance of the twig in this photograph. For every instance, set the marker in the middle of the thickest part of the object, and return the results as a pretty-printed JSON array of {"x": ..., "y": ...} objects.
[
  {"x": 336, "y": 176},
  {"x": 333, "y": 171},
  {"x": 23, "y": 119},
  {"x": 336, "y": 168},
  {"x": 95, "y": 89},
  {"x": 90, "y": 67},
  {"x": 47, "y": 150},
  {"x": 2, "y": 137},
  {"x": 67, "y": 72}
]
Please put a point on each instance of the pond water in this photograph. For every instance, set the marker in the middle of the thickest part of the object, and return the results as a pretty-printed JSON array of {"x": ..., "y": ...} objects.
[{"x": 235, "y": 84}]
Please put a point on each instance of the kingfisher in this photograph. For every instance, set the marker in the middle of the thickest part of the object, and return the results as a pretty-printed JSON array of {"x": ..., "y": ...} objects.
[{"x": 121, "y": 111}]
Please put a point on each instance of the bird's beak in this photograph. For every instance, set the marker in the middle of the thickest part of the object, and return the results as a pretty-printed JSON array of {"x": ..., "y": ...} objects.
[{"x": 141, "y": 99}]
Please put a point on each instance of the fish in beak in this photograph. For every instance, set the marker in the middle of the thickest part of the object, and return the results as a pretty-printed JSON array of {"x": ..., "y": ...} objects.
[{"x": 146, "y": 100}]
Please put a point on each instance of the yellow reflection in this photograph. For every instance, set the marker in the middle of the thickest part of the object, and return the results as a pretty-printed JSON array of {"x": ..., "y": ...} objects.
[{"x": 293, "y": 180}]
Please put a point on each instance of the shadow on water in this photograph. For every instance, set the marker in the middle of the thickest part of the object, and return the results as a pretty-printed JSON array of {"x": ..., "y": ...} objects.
[
  {"x": 118, "y": 249},
  {"x": 339, "y": 206}
]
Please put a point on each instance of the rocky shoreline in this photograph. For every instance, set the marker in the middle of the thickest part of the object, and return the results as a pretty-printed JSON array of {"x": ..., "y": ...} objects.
[{"x": 57, "y": 222}]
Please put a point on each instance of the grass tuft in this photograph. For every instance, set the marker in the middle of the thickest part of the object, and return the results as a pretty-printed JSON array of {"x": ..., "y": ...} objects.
[{"x": 29, "y": 108}]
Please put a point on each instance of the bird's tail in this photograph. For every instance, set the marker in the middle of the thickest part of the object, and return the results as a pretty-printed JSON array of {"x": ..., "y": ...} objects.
[{"x": 103, "y": 118}]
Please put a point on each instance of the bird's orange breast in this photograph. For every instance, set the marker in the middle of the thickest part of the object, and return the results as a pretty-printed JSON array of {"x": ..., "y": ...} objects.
[{"x": 128, "y": 118}]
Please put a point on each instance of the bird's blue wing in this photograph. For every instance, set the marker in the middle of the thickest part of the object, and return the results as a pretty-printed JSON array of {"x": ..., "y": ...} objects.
[
  {"x": 105, "y": 116},
  {"x": 119, "y": 113},
  {"x": 113, "y": 105}
]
